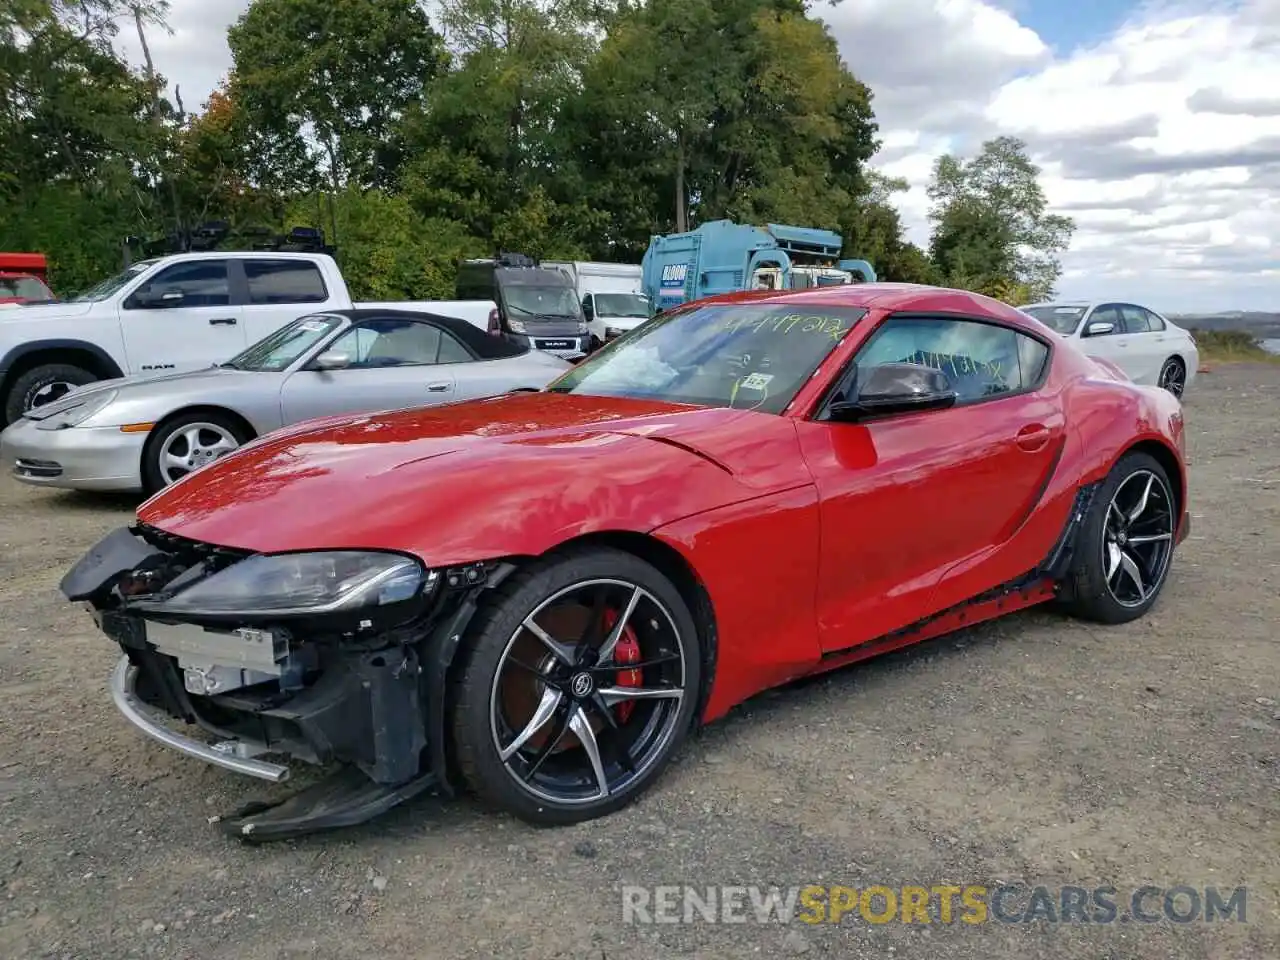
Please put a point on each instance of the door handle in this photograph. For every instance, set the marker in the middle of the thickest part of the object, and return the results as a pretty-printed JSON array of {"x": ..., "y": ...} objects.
[
  {"x": 222, "y": 321},
  {"x": 438, "y": 387},
  {"x": 1032, "y": 437}
]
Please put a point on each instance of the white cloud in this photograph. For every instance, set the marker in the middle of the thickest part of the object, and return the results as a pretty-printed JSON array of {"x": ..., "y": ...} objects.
[{"x": 1162, "y": 139}]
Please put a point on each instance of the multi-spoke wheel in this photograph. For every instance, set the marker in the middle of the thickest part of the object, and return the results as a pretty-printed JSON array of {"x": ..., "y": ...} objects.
[
  {"x": 1126, "y": 545},
  {"x": 1173, "y": 376},
  {"x": 577, "y": 684},
  {"x": 187, "y": 443}
]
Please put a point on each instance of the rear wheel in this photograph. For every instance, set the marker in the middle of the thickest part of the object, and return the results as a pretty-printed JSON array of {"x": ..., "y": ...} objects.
[
  {"x": 186, "y": 444},
  {"x": 42, "y": 385},
  {"x": 1173, "y": 376},
  {"x": 1126, "y": 544},
  {"x": 580, "y": 680}
]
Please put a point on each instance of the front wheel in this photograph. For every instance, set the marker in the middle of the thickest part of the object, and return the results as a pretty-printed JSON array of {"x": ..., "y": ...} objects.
[
  {"x": 1126, "y": 545},
  {"x": 579, "y": 681},
  {"x": 187, "y": 443}
]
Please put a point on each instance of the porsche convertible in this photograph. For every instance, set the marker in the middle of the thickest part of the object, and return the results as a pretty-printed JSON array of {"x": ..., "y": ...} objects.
[{"x": 536, "y": 597}]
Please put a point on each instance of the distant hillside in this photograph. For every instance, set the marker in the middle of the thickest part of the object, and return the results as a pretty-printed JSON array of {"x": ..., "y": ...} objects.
[{"x": 1264, "y": 326}]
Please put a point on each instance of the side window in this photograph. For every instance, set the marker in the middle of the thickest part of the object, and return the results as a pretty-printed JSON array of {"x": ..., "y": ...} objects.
[
  {"x": 390, "y": 343},
  {"x": 284, "y": 281},
  {"x": 1107, "y": 313},
  {"x": 1154, "y": 323},
  {"x": 201, "y": 283},
  {"x": 1135, "y": 319},
  {"x": 452, "y": 351},
  {"x": 982, "y": 360}
]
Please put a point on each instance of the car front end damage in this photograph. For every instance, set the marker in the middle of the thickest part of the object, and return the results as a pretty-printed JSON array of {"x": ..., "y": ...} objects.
[{"x": 327, "y": 657}]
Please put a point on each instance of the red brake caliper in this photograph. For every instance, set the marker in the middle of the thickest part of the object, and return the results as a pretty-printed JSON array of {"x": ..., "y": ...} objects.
[{"x": 627, "y": 651}]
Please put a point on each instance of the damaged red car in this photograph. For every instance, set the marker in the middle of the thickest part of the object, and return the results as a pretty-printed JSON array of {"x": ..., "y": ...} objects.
[{"x": 536, "y": 597}]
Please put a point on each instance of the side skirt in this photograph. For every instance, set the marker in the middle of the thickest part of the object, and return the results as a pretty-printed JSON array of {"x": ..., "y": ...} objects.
[{"x": 1036, "y": 586}]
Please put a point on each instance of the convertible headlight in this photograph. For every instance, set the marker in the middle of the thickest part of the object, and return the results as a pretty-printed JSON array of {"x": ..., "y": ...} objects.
[
  {"x": 71, "y": 411},
  {"x": 303, "y": 584}
]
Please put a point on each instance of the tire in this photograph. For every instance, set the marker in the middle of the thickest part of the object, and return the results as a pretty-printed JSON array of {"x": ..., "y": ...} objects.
[
  {"x": 1106, "y": 538},
  {"x": 43, "y": 384},
  {"x": 202, "y": 427},
  {"x": 494, "y": 702},
  {"x": 1173, "y": 376}
]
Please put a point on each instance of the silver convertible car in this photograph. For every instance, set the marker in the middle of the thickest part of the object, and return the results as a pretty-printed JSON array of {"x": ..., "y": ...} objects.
[{"x": 145, "y": 432}]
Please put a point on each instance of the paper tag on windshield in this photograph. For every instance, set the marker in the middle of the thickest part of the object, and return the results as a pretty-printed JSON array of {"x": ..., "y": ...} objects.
[
  {"x": 312, "y": 326},
  {"x": 756, "y": 381}
]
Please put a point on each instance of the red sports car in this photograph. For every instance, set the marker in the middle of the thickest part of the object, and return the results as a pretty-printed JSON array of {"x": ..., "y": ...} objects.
[{"x": 537, "y": 596}]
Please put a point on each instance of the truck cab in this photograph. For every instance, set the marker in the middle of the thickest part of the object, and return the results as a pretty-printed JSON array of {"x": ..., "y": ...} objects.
[
  {"x": 535, "y": 306},
  {"x": 24, "y": 279},
  {"x": 725, "y": 257}
]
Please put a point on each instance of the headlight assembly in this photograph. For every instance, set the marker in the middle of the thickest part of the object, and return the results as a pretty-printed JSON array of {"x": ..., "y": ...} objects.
[
  {"x": 303, "y": 584},
  {"x": 516, "y": 326},
  {"x": 71, "y": 411}
]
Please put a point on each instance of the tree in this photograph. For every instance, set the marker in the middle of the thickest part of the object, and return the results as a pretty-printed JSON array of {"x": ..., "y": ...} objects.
[
  {"x": 83, "y": 156},
  {"x": 329, "y": 79},
  {"x": 991, "y": 221},
  {"x": 700, "y": 109},
  {"x": 485, "y": 142}
]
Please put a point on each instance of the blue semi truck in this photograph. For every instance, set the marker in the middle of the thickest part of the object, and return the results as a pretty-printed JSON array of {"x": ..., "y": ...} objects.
[{"x": 722, "y": 257}]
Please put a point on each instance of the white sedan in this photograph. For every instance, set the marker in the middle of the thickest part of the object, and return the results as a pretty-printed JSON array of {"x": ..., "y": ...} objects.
[{"x": 1146, "y": 346}]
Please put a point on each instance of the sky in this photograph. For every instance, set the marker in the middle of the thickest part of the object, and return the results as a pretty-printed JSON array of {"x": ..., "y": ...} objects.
[{"x": 1156, "y": 125}]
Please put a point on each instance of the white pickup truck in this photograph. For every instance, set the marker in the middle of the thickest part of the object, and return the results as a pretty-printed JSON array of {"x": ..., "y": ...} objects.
[{"x": 177, "y": 312}]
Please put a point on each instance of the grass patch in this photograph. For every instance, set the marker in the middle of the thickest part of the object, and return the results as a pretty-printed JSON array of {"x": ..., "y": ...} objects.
[{"x": 1226, "y": 346}]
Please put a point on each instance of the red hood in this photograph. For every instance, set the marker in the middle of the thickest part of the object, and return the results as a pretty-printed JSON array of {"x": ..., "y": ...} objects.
[{"x": 469, "y": 481}]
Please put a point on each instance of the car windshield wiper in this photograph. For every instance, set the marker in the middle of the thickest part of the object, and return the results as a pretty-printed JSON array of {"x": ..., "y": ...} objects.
[{"x": 541, "y": 316}]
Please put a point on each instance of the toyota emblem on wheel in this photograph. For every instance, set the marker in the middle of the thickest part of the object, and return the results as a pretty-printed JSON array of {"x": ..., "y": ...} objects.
[{"x": 582, "y": 685}]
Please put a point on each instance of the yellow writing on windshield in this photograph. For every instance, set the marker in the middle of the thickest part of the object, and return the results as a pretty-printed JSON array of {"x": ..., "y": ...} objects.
[{"x": 833, "y": 327}]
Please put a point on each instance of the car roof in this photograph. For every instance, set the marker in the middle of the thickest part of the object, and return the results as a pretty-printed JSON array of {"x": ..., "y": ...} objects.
[
  {"x": 483, "y": 344},
  {"x": 891, "y": 298}
]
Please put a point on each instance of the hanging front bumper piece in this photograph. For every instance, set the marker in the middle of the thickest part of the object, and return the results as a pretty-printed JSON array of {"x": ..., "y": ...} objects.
[{"x": 238, "y": 756}]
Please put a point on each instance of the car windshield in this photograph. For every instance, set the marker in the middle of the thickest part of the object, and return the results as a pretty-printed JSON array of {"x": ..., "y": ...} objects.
[
  {"x": 744, "y": 355},
  {"x": 280, "y": 349},
  {"x": 100, "y": 291},
  {"x": 539, "y": 301},
  {"x": 1060, "y": 319},
  {"x": 24, "y": 288},
  {"x": 621, "y": 305}
]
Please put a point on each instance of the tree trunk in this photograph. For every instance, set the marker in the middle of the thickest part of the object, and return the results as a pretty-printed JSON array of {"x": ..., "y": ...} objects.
[
  {"x": 157, "y": 121},
  {"x": 682, "y": 213}
]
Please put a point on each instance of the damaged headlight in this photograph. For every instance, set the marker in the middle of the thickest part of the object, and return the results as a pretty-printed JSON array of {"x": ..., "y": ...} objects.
[{"x": 303, "y": 584}]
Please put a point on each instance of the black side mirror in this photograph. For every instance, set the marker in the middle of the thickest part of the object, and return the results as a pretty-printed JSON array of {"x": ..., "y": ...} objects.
[{"x": 895, "y": 388}]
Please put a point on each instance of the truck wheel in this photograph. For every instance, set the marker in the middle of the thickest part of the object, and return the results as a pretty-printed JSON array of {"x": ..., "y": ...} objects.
[
  {"x": 187, "y": 443},
  {"x": 43, "y": 384}
]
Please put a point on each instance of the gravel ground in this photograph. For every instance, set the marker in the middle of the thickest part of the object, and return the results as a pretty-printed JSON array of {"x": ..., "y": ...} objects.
[{"x": 1036, "y": 750}]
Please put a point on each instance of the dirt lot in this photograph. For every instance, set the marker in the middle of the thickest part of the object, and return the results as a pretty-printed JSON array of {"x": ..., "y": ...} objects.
[{"x": 1036, "y": 749}]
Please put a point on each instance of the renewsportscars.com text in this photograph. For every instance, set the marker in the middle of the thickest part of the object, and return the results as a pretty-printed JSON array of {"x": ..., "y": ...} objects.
[{"x": 937, "y": 903}]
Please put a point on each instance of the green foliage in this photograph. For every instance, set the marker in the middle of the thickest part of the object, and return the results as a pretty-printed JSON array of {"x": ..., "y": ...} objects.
[
  {"x": 1231, "y": 345},
  {"x": 567, "y": 130},
  {"x": 991, "y": 222},
  {"x": 340, "y": 72}
]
